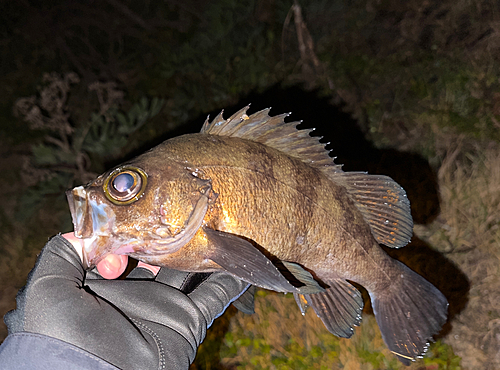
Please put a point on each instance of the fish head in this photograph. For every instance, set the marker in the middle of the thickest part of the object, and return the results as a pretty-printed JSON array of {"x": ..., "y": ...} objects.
[{"x": 138, "y": 208}]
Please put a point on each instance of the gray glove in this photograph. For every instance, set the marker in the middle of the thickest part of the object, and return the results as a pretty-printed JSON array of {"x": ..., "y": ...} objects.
[{"x": 142, "y": 322}]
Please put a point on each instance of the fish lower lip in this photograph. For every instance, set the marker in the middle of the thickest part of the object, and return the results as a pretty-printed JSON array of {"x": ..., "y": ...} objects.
[
  {"x": 79, "y": 208},
  {"x": 71, "y": 203}
]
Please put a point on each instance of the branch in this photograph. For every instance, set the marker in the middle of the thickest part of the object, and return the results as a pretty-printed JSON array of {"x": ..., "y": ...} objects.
[
  {"x": 130, "y": 14},
  {"x": 306, "y": 44},
  {"x": 59, "y": 143}
]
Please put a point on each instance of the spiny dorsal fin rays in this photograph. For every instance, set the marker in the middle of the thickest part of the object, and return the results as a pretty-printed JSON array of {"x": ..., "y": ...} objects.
[
  {"x": 273, "y": 132},
  {"x": 220, "y": 126},
  {"x": 260, "y": 128}
]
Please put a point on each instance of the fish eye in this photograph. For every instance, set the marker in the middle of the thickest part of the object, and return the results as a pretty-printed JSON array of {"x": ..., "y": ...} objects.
[{"x": 125, "y": 185}]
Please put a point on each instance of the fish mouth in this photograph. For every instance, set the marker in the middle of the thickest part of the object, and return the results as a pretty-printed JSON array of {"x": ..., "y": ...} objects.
[{"x": 93, "y": 221}]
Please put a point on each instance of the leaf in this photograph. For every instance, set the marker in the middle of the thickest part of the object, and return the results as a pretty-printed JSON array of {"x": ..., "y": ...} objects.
[
  {"x": 122, "y": 119},
  {"x": 45, "y": 154},
  {"x": 155, "y": 107}
]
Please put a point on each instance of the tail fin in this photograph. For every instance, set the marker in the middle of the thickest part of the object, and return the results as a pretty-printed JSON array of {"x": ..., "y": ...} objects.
[{"x": 408, "y": 314}]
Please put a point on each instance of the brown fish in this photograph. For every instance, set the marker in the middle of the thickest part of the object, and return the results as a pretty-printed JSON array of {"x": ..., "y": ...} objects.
[{"x": 256, "y": 197}]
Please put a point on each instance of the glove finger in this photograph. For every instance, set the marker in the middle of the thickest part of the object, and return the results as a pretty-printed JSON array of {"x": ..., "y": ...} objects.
[
  {"x": 171, "y": 277},
  {"x": 193, "y": 280},
  {"x": 150, "y": 301},
  {"x": 216, "y": 293},
  {"x": 154, "y": 269},
  {"x": 140, "y": 273},
  {"x": 155, "y": 302},
  {"x": 186, "y": 282},
  {"x": 92, "y": 274}
]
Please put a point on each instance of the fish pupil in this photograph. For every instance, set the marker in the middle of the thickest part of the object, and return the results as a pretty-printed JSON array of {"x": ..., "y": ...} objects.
[{"x": 123, "y": 182}]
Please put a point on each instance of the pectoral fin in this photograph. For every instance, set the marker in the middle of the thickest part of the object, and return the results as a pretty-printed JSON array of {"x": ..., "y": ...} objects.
[{"x": 239, "y": 257}]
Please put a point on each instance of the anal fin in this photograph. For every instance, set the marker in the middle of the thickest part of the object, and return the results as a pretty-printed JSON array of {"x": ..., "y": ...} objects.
[
  {"x": 240, "y": 258},
  {"x": 301, "y": 302},
  {"x": 339, "y": 307}
]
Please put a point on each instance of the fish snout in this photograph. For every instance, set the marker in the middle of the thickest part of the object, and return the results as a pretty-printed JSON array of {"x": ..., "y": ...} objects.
[{"x": 93, "y": 221}]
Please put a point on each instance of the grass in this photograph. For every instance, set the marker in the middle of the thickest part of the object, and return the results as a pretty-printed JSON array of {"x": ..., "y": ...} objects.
[
  {"x": 468, "y": 231},
  {"x": 277, "y": 336}
]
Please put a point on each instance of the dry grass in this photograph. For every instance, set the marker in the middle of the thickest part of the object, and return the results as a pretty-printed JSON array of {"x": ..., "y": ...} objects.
[{"x": 468, "y": 231}]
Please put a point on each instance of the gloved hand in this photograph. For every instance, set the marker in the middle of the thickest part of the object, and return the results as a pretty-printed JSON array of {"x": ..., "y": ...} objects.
[{"x": 142, "y": 322}]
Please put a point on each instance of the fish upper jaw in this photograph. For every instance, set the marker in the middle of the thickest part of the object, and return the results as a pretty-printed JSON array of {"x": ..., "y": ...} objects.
[{"x": 93, "y": 221}]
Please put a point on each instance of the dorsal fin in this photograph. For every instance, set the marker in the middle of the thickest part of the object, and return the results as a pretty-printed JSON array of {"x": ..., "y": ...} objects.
[
  {"x": 380, "y": 199},
  {"x": 273, "y": 132}
]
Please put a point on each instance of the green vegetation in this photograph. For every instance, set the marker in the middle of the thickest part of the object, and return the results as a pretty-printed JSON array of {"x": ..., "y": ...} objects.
[{"x": 68, "y": 153}]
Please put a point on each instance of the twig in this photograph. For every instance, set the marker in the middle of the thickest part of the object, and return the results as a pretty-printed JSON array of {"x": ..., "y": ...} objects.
[
  {"x": 63, "y": 145},
  {"x": 130, "y": 14},
  {"x": 306, "y": 44},
  {"x": 310, "y": 64}
]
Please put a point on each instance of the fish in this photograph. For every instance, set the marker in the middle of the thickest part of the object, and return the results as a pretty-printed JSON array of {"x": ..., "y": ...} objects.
[{"x": 256, "y": 197}]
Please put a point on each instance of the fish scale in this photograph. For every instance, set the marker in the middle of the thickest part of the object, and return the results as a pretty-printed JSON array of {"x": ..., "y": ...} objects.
[{"x": 254, "y": 196}]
